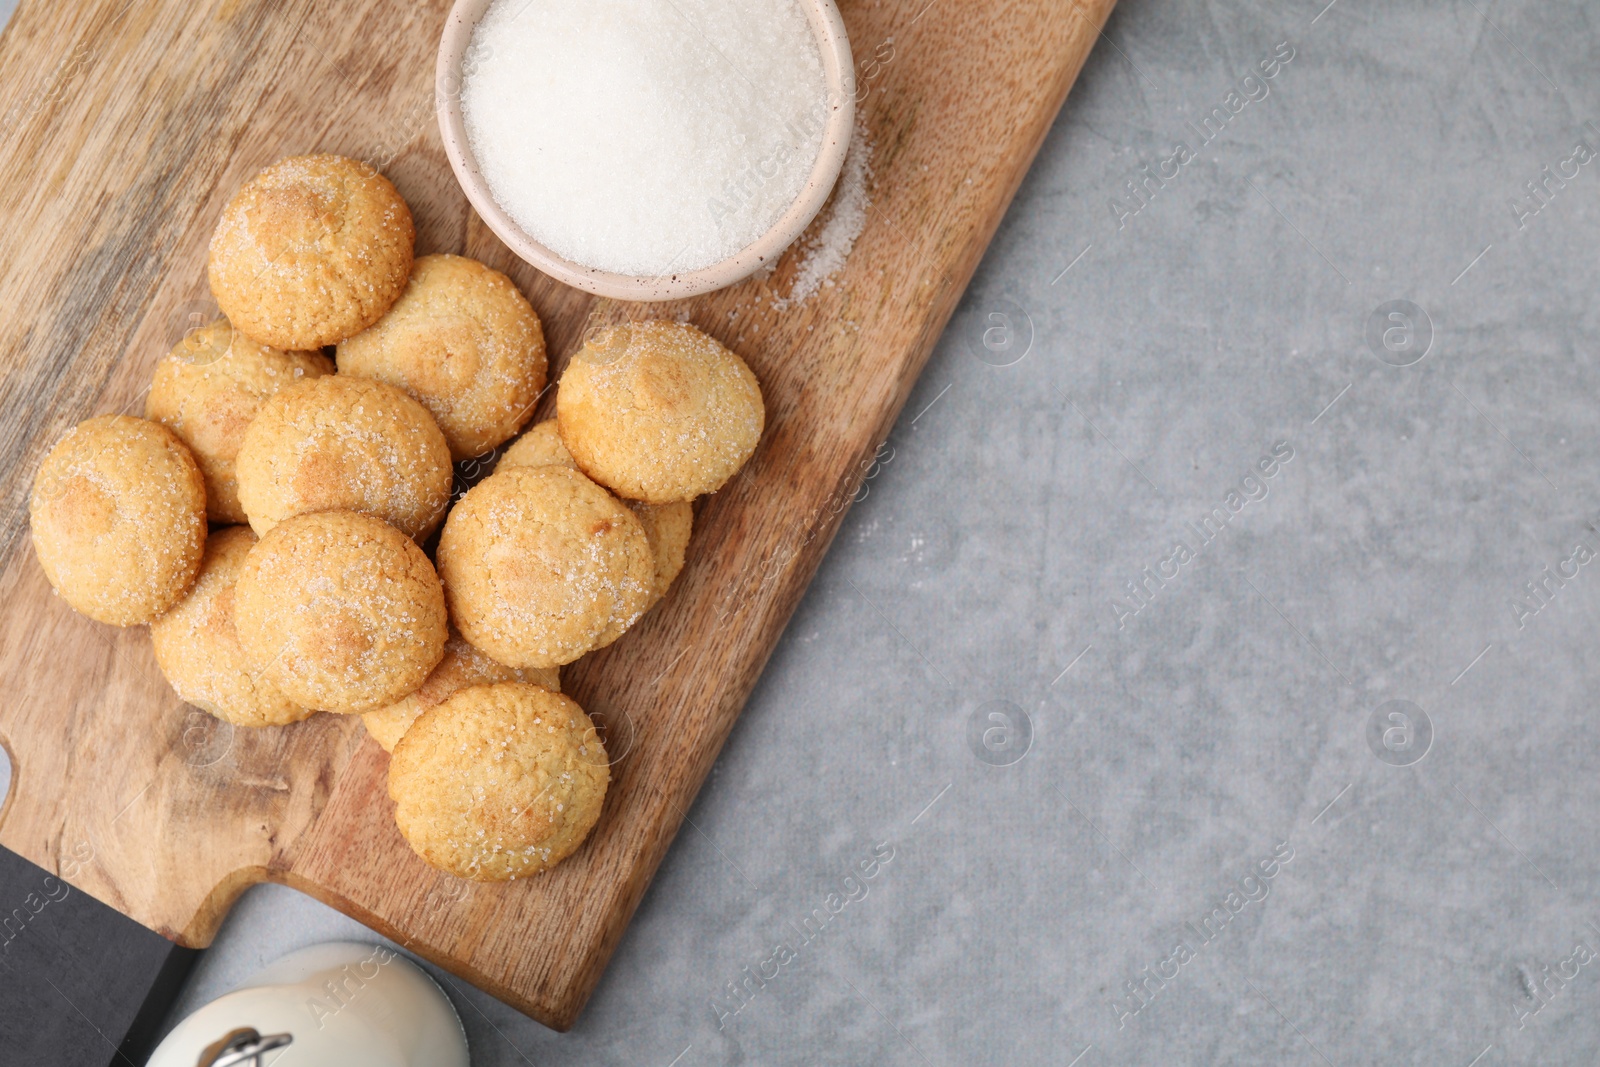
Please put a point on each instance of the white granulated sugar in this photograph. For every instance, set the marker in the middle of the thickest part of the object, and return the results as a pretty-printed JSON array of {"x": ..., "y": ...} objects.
[
  {"x": 842, "y": 222},
  {"x": 645, "y": 137}
]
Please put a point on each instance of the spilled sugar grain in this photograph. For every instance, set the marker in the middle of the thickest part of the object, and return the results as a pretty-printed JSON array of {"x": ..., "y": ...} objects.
[{"x": 824, "y": 255}]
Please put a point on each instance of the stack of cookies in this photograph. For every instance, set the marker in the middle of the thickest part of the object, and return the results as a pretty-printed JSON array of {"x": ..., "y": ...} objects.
[{"x": 271, "y": 517}]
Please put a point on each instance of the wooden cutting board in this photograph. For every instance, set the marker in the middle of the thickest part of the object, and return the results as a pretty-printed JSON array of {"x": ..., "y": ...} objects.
[{"x": 125, "y": 126}]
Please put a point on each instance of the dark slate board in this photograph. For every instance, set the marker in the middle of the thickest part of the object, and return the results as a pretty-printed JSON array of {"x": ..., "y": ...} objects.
[{"x": 80, "y": 984}]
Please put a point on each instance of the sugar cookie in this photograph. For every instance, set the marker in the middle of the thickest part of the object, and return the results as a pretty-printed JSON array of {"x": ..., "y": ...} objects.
[
  {"x": 340, "y": 611},
  {"x": 666, "y": 526},
  {"x": 541, "y": 565},
  {"x": 208, "y": 389},
  {"x": 466, "y": 343},
  {"x": 499, "y": 781},
  {"x": 461, "y": 667},
  {"x": 540, "y": 447},
  {"x": 197, "y": 647},
  {"x": 118, "y": 516},
  {"x": 345, "y": 443},
  {"x": 659, "y": 411},
  {"x": 310, "y": 251}
]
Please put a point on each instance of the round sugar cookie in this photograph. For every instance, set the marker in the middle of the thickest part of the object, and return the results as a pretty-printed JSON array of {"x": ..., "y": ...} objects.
[
  {"x": 465, "y": 342},
  {"x": 310, "y": 251},
  {"x": 340, "y": 611},
  {"x": 540, "y": 447},
  {"x": 208, "y": 389},
  {"x": 659, "y": 411},
  {"x": 118, "y": 517},
  {"x": 666, "y": 526},
  {"x": 461, "y": 667},
  {"x": 345, "y": 443},
  {"x": 499, "y": 781},
  {"x": 541, "y": 565},
  {"x": 197, "y": 647}
]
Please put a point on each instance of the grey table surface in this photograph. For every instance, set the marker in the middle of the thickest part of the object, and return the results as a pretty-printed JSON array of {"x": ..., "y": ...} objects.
[{"x": 1180, "y": 761}]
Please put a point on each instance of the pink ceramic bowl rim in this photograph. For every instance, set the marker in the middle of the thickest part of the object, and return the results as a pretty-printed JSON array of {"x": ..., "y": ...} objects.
[{"x": 838, "y": 68}]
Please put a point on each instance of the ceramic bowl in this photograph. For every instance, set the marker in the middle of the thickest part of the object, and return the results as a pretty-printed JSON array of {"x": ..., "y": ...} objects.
[{"x": 838, "y": 68}]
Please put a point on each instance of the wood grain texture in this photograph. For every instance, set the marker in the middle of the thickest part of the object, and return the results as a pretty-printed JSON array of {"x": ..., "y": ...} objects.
[{"x": 124, "y": 128}]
